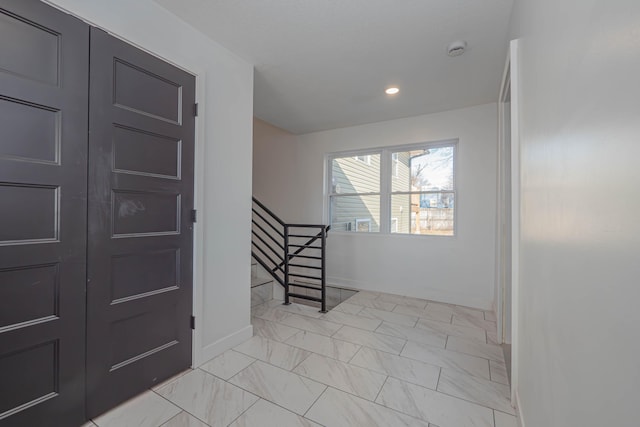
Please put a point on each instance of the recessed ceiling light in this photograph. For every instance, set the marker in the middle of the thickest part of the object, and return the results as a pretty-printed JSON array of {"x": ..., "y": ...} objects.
[{"x": 392, "y": 91}]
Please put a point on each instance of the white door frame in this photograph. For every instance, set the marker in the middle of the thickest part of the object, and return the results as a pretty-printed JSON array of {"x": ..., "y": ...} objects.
[
  {"x": 510, "y": 81},
  {"x": 500, "y": 209}
]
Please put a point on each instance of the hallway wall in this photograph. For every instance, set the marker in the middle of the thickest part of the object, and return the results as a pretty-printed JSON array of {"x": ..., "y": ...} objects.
[
  {"x": 578, "y": 347},
  {"x": 289, "y": 176}
]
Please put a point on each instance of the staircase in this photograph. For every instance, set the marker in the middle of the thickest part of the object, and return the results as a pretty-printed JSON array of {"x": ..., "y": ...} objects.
[{"x": 292, "y": 254}]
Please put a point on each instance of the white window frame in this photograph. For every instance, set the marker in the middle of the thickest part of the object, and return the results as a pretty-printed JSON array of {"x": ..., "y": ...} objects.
[
  {"x": 386, "y": 177},
  {"x": 394, "y": 164}
]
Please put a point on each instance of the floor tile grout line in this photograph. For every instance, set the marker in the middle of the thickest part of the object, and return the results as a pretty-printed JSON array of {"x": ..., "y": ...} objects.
[
  {"x": 463, "y": 327},
  {"x": 403, "y": 413},
  {"x": 354, "y": 354},
  {"x": 342, "y": 327},
  {"x": 353, "y": 366},
  {"x": 176, "y": 416},
  {"x": 407, "y": 339},
  {"x": 277, "y": 324},
  {"x": 468, "y": 401},
  {"x": 375, "y": 403},
  {"x": 472, "y": 355},
  {"x": 267, "y": 363},
  {"x": 303, "y": 360},
  {"x": 237, "y": 373},
  {"x": 315, "y": 332},
  {"x": 452, "y": 351},
  {"x": 385, "y": 351},
  {"x": 316, "y": 400},
  {"x": 461, "y": 371},
  {"x": 245, "y": 411},
  {"x": 380, "y": 391},
  {"x": 267, "y": 400},
  {"x": 330, "y": 357},
  {"x": 506, "y": 413},
  {"x": 183, "y": 409},
  {"x": 444, "y": 394},
  {"x": 408, "y": 359}
]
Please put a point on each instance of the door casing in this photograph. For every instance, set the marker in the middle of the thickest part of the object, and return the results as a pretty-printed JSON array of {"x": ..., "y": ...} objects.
[{"x": 511, "y": 162}]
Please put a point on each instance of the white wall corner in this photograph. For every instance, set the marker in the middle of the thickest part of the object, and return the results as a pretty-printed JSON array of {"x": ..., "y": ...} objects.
[
  {"x": 215, "y": 349},
  {"x": 519, "y": 410}
]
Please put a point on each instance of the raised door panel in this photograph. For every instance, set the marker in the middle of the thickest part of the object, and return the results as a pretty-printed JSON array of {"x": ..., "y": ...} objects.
[
  {"x": 140, "y": 236},
  {"x": 44, "y": 56}
]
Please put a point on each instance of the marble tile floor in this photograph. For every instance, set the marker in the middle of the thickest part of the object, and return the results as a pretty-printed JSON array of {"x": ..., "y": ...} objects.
[{"x": 375, "y": 360}]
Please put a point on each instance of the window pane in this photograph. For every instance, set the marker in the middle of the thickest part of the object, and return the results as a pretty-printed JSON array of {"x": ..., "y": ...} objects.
[
  {"x": 401, "y": 213},
  {"x": 356, "y": 174},
  {"x": 424, "y": 170},
  {"x": 355, "y": 213},
  {"x": 423, "y": 213}
]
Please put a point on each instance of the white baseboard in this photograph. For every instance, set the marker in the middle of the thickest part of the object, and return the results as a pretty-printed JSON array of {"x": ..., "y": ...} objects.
[
  {"x": 215, "y": 349},
  {"x": 430, "y": 294},
  {"x": 519, "y": 410}
]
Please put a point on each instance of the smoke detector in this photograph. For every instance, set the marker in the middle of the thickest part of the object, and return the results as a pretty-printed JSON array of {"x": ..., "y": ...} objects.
[{"x": 457, "y": 48}]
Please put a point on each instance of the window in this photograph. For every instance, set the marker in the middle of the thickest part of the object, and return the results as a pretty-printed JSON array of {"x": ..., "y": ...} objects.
[
  {"x": 403, "y": 190},
  {"x": 355, "y": 193}
]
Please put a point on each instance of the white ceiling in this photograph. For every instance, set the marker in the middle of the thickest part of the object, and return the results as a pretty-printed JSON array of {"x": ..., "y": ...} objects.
[{"x": 324, "y": 64}]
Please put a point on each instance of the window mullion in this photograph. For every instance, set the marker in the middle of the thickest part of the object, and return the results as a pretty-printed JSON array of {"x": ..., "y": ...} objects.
[{"x": 385, "y": 188}]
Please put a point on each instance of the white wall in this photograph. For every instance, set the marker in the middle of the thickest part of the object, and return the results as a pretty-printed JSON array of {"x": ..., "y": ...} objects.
[
  {"x": 223, "y": 159},
  {"x": 274, "y": 151},
  {"x": 457, "y": 270},
  {"x": 579, "y": 345}
]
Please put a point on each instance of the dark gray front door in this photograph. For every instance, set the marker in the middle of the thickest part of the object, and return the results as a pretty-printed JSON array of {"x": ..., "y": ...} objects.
[
  {"x": 44, "y": 67},
  {"x": 141, "y": 150}
]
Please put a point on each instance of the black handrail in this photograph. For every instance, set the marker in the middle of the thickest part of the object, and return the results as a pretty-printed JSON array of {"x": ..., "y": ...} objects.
[
  {"x": 267, "y": 210},
  {"x": 266, "y": 222},
  {"x": 280, "y": 269},
  {"x": 263, "y": 252},
  {"x": 266, "y": 234},
  {"x": 308, "y": 245}
]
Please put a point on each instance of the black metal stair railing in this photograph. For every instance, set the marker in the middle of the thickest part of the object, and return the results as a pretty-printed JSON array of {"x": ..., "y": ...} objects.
[{"x": 294, "y": 254}]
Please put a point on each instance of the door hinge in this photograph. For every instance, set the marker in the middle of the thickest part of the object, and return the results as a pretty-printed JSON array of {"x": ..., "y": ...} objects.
[
  {"x": 194, "y": 215},
  {"x": 193, "y": 322},
  {"x": 195, "y": 110}
]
